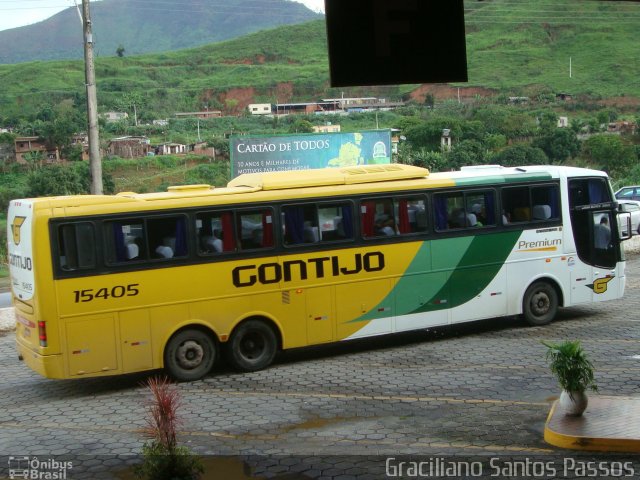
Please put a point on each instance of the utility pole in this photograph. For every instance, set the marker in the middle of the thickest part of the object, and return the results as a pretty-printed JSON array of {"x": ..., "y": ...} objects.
[
  {"x": 95, "y": 165},
  {"x": 570, "y": 72}
]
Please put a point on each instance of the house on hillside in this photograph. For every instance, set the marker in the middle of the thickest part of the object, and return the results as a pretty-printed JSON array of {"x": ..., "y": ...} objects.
[
  {"x": 206, "y": 114},
  {"x": 24, "y": 146},
  {"x": 363, "y": 104},
  {"x": 201, "y": 148},
  {"x": 260, "y": 108},
  {"x": 564, "y": 96},
  {"x": 326, "y": 128},
  {"x": 622, "y": 128},
  {"x": 170, "y": 148},
  {"x": 111, "y": 117},
  {"x": 129, "y": 147},
  {"x": 81, "y": 140},
  {"x": 307, "y": 108}
]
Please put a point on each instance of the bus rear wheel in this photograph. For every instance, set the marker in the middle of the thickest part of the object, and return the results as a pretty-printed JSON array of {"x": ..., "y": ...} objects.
[
  {"x": 252, "y": 346},
  {"x": 189, "y": 355},
  {"x": 540, "y": 303}
]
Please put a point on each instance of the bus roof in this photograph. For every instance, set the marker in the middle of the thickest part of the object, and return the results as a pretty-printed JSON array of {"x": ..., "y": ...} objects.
[
  {"x": 329, "y": 176},
  {"x": 323, "y": 182}
]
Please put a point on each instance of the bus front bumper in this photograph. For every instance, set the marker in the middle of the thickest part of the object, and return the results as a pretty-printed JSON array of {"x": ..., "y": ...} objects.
[{"x": 49, "y": 366}]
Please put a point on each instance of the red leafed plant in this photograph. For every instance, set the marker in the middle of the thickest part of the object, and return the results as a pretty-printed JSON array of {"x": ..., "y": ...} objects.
[
  {"x": 164, "y": 459},
  {"x": 163, "y": 408}
]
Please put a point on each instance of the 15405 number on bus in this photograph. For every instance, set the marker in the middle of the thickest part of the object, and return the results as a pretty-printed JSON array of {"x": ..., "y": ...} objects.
[{"x": 119, "y": 291}]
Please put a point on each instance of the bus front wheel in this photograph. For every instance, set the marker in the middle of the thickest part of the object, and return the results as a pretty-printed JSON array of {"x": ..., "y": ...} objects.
[
  {"x": 189, "y": 355},
  {"x": 540, "y": 303},
  {"x": 252, "y": 346}
]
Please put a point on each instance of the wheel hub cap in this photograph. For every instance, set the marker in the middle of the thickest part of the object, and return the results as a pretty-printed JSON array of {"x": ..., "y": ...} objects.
[{"x": 190, "y": 354}]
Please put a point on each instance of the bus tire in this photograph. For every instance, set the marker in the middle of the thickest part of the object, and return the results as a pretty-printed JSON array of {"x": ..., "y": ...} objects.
[
  {"x": 189, "y": 355},
  {"x": 252, "y": 346},
  {"x": 540, "y": 303}
]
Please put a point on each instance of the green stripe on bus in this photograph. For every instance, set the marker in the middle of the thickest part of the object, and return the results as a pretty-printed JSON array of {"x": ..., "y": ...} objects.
[
  {"x": 447, "y": 273},
  {"x": 481, "y": 180},
  {"x": 478, "y": 267}
]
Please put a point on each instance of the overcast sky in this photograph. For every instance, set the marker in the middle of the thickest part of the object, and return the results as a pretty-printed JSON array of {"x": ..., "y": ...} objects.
[{"x": 16, "y": 13}]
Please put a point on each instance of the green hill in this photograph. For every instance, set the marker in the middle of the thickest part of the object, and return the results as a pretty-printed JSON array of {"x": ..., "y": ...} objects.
[{"x": 513, "y": 48}]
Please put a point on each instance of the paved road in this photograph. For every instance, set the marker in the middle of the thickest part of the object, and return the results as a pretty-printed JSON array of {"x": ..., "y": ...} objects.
[
  {"x": 5, "y": 299},
  {"x": 474, "y": 391}
]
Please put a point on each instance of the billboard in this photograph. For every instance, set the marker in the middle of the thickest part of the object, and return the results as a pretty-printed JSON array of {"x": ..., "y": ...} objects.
[{"x": 253, "y": 153}]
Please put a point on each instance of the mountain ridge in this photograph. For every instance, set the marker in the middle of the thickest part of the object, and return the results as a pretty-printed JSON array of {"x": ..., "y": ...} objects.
[{"x": 139, "y": 27}]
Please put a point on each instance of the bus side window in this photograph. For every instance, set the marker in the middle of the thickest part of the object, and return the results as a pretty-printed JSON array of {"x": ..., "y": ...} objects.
[
  {"x": 377, "y": 218},
  {"x": 531, "y": 204},
  {"x": 300, "y": 224},
  {"x": 168, "y": 236},
  {"x": 336, "y": 222},
  {"x": 546, "y": 202},
  {"x": 125, "y": 241},
  {"x": 482, "y": 205},
  {"x": 255, "y": 229},
  {"x": 412, "y": 215},
  {"x": 215, "y": 233},
  {"x": 76, "y": 246},
  {"x": 450, "y": 212},
  {"x": 515, "y": 203}
]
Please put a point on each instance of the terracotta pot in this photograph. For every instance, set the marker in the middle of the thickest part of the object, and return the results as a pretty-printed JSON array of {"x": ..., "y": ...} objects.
[{"x": 573, "y": 403}]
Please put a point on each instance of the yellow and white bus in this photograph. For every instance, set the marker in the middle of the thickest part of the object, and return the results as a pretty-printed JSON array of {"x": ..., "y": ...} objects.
[{"x": 106, "y": 285}]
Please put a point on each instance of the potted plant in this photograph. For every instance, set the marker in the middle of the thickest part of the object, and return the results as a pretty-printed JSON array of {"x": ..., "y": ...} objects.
[{"x": 574, "y": 371}]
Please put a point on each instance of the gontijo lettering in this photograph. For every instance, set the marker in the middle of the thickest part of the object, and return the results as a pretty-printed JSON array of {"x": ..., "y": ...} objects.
[
  {"x": 19, "y": 261},
  {"x": 266, "y": 273}
]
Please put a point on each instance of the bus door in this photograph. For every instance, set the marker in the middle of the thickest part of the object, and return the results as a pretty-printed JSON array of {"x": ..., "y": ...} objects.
[
  {"x": 593, "y": 279},
  {"x": 91, "y": 344},
  {"x": 364, "y": 308},
  {"x": 320, "y": 316}
]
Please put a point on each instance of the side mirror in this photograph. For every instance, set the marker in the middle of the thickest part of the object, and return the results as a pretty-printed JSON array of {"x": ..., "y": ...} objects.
[{"x": 624, "y": 225}]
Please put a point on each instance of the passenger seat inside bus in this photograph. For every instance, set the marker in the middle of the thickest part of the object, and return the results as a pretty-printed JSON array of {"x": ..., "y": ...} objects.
[
  {"x": 210, "y": 243},
  {"x": 132, "y": 247},
  {"x": 311, "y": 233},
  {"x": 164, "y": 251},
  {"x": 541, "y": 212}
]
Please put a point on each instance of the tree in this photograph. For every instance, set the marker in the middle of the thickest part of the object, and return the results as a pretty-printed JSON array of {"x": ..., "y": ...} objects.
[
  {"x": 519, "y": 155},
  {"x": 55, "y": 180},
  {"x": 221, "y": 146},
  {"x": 301, "y": 126},
  {"x": 62, "y": 179},
  {"x": 421, "y": 157},
  {"x": 548, "y": 120},
  {"x": 120, "y": 51},
  {"x": 429, "y": 100},
  {"x": 610, "y": 153},
  {"x": 495, "y": 141},
  {"x": 558, "y": 144},
  {"x": 466, "y": 152},
  {"x": 130, "y": 102},
  {"x": 427, "y": 133},
  {"x": 34, "y": 159}
]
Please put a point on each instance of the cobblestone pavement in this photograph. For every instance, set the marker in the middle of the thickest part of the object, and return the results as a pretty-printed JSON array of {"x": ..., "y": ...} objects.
[{"x": 472, "y": 391}]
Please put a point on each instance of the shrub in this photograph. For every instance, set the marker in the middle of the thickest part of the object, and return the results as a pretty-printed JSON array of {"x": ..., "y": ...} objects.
[
  {"x": 164, "y": 459},
  {"x": 570, "y": 365}
]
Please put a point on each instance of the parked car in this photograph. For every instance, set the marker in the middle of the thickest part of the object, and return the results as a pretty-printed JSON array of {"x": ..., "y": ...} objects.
[
  {"x": 629, "y": 193},
  {"x": 633, "y": 208}
]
